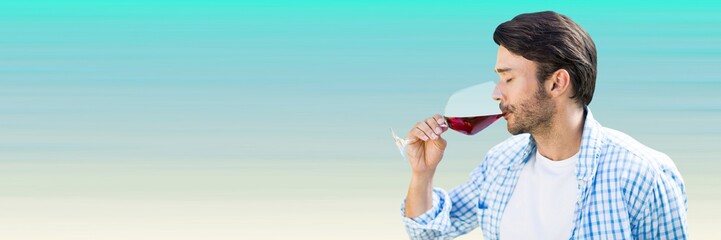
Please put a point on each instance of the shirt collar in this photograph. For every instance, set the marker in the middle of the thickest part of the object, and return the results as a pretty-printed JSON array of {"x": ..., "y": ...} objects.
[{"x": 592, "y": 141}]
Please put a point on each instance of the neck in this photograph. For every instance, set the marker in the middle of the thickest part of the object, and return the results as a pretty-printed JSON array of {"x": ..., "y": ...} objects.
[{"x": 562, "y": 138}]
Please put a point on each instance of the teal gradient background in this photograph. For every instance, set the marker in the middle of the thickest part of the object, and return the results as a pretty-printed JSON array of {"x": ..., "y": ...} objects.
[{"x": 269, "y": 119}]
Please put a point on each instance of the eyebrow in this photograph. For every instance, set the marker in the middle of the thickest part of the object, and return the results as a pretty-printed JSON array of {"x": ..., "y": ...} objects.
[{"x": 502, "y": 70}]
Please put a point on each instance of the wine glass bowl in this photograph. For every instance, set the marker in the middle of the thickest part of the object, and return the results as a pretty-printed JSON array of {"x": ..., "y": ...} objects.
[
  {"x": 468, "y": 111},
  {"x": 471, "y": 125}
]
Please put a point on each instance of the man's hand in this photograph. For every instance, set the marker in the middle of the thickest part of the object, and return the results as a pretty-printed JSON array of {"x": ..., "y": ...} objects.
[{"x": 426, "y": 146}]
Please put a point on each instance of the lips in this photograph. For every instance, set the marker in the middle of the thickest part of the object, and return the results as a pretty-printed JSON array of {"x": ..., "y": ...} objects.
[{"x": 504, "y": 110}]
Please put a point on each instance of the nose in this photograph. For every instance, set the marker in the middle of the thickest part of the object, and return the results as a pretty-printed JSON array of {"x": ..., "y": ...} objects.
[{"x": 496, "y": 94}]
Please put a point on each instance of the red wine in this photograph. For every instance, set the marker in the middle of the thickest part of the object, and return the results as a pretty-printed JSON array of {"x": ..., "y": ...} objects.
[{"x": 471, "y": 125}]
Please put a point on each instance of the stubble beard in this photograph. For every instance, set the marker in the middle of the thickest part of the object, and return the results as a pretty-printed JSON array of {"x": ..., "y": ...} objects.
[{"x": 532, "y": 115}]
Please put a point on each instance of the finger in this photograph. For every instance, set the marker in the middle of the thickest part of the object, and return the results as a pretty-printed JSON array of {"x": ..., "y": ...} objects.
[
  {"x": 433, "y": 124},
  {"x": 440, "y": 143},
  {"x": 413, "y": 136},
  {"x": 427, "y": 129},
  {"x": 417, "y": 133},
  {"x": 441, "y": 121}
]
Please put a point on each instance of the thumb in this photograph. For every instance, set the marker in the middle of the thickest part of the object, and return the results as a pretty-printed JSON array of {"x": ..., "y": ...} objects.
[{"x": 439, "y": 143}]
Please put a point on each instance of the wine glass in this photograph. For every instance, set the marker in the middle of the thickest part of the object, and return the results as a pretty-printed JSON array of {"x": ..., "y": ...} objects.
[{"x": 468, "y": 111}]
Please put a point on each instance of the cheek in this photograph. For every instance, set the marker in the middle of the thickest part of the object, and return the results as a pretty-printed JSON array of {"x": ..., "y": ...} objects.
[{"x": 518, "y": 95}]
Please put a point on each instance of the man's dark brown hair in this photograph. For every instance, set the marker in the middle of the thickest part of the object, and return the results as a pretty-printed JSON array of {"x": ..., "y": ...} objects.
[{"x": 554, "y": 42}]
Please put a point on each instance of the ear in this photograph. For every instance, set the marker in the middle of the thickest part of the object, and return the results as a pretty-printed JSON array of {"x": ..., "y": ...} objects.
[{"x": 559, "y": 84}]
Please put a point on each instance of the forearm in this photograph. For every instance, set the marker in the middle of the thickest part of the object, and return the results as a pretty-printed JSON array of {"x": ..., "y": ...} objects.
[
  {"x": 420, "y": 195},
  {"x": 433, "y": 213}
]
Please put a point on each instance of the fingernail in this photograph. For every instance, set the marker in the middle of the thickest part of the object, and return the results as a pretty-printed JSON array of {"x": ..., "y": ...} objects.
[
  {"x": 434, "y": 136},
  {"x": 424, "y": 138},
  {"x": 438, "y": 130}
]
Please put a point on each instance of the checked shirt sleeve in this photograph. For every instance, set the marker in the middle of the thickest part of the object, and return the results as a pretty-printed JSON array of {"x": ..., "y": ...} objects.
[
  {"x": 453, "y": 213},
  {"x": 663, "y": 215}
]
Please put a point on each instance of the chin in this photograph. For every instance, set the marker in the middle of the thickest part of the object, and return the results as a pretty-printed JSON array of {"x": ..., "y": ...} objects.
[
  {"x": 511, "y": 130},
  {"x": 514, "y": 130}
]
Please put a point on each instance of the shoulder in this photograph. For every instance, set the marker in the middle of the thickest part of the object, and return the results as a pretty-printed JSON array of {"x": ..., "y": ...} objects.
[
  {"x": 638, "y": 169},
  {"x": 624, "y": 150}
]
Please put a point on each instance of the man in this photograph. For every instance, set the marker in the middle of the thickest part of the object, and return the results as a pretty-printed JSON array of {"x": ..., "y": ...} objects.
[{"x": 562, "y": 175}]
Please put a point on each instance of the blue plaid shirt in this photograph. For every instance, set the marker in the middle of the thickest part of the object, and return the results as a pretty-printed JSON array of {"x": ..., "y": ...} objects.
[{"x": 626, "y": 191}]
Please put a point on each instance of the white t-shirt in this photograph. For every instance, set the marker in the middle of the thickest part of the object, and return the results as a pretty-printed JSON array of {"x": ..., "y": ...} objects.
[{"x": 543, "y": 203}]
